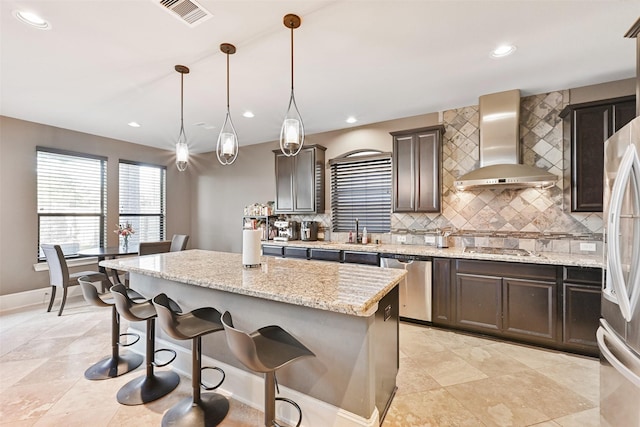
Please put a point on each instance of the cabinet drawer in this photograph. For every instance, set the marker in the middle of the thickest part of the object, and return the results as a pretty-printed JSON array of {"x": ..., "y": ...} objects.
[
  {"x": 293, "y": 252},
  {"x": 325, "y": 254},
  {"x": 507, "y": 269},
  {"x": 272, "y": 250},
  {"x": 354, "y": 257},
  {"x": 583, "y": 275}
]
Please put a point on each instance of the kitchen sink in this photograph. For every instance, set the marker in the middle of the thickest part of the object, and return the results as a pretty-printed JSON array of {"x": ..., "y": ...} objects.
[{"x": 499, "y": 251}]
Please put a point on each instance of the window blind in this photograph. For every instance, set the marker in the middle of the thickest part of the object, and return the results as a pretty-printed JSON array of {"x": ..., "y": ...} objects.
[
  {"x": 71, "y": 193},
  {"x": 361, "y": 188},
  {"x": 142, "y": 200}
]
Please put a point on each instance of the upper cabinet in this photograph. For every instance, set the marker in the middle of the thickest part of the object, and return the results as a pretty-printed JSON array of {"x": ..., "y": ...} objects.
[
  {"x": 587, "y": 126},
  {"x": 417, "y": 157},
  {"x": 300, "y": 181}
]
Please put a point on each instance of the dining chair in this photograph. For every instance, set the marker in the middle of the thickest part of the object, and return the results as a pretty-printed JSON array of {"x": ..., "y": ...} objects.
[
  {"x": 59, "y": 276},
  {"x": 149, "y": 248},
  {"x": 179, "y": 242}
]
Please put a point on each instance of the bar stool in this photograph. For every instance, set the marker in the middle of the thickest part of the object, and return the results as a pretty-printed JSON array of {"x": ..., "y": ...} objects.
[
  {"x": 266, "y": 350},
  {"x": 150, "y": 386},
  {"x": 208, "y": 409},
  {"x": 116, "y": 364}
]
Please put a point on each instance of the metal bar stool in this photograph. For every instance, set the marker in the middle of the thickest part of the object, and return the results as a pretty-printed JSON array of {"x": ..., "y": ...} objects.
[
  {"x": 266, "y": 350},
  {"x": 116, "y": 364},
  {"x": 150, "y": 386},
  {"x": 208, "y": 409}
]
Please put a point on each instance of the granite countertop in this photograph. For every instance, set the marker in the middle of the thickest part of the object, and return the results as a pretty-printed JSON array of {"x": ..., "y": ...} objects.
[
  {"x": 552, "y": 258},
  {"x": 343, "y": 288}
]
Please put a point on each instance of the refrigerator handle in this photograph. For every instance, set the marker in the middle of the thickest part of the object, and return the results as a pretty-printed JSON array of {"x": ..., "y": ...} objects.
[
  {"x": 603, "y": 334},
  {"x": 629, "y": 169}
]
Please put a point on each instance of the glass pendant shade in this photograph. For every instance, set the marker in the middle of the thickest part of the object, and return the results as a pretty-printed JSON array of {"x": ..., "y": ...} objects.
[
  {"x": 182, "y": 154},
  {"x": 227, "y": 146},
  {"x": 292, "y": 131},
  {"x": 182, "y": 148}
]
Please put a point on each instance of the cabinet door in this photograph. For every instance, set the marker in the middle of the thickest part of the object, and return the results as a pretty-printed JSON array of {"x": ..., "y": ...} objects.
[
  {"x": 591, "y": 127},
  {"x": 404, "y": 164},
  {"x": 304, "y": 181},
  {"x": 284, "y": 183},
  {"x": 479, "y": 302},
  {"x": 581, "y": 314},
  {"x": 428, "y": 172},
  {"x": 623, "y": 113},
  {"x": 441, "y": 285},
  {"x": 530, "y": 309}
]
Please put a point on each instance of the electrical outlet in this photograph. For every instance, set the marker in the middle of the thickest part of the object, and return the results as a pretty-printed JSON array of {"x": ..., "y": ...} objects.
[
  {"x": 430, "y": 240},
  {"x": 588, "y": 247},
  {"x": 401, "y": 239}
]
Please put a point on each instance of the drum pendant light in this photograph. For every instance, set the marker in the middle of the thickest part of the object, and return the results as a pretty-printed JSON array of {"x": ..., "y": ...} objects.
[
  {"x": 227, "y": 146},
  {"x": 182, "y": 149},
  {"x": 292, "y": 131}
]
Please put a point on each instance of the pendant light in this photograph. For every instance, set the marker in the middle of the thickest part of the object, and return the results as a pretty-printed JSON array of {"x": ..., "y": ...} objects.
[
  {"x": 227, "y": 146},
  {"x": 182, "y": 149},
  {"x": 292, "y": 131}
]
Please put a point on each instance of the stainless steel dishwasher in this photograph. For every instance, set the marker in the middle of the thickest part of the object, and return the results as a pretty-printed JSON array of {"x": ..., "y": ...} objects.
[{"x": 415, "y": 289}]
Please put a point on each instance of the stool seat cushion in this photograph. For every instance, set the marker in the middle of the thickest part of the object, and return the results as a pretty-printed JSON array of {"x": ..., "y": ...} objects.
[{"x": 198, "y": 322}]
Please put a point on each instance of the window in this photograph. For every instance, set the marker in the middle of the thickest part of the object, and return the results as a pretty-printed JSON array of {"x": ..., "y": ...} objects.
[
  {"x": 71, "y": 200},
  {"x": 361, "y": 188},
  {"x": 142, "y": 200}
]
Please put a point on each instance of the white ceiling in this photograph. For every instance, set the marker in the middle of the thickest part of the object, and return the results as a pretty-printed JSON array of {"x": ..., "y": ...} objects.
[{"x": 105, "y": 63}]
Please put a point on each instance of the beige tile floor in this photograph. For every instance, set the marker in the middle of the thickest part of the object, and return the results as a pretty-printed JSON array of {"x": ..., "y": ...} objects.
[{"x": 445, "y": 379}]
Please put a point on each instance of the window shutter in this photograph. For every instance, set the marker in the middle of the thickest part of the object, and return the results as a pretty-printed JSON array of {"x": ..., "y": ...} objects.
[
  {"x": 71, "y": 193},
  {"x": 361, "y": 188},
  {"x": 142, "y": 200}
]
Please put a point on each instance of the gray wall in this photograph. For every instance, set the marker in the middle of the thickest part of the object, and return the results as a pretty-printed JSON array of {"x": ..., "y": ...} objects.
[{"x": 18, "y": 217}]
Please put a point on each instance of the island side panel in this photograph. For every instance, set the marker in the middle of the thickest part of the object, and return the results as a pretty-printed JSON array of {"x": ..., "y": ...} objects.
[{"x": 344, "y": 372}]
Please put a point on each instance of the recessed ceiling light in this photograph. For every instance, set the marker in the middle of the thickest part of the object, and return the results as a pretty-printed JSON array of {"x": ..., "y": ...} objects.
[
  {"x": 134, "y": 124},
  {"x": 248, "y": 114},
  {"x": 503, "y": 50},
  {"x": 32, "y": 19},
  {"x": 351, "y": 119}
]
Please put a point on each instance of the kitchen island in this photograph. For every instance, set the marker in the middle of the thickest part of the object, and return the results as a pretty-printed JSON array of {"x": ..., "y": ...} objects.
[{"x": 346, "y": 314}]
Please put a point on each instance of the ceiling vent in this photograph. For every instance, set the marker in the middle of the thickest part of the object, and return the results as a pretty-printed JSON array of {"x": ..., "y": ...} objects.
[{"x": 187, "y": 11}]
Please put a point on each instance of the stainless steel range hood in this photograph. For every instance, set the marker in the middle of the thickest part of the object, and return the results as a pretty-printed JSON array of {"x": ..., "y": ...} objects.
[{"x": 500, "y": 165}]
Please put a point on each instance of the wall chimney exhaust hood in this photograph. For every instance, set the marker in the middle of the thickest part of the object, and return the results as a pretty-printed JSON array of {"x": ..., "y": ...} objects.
[{"x": 500, "y": 165}]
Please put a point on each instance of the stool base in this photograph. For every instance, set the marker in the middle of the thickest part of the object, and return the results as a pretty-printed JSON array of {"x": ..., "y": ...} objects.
[
  {"x": 111, "y": 367},
  {"x": 146, "y": 389},
  {"x": 211, "y": 410}
]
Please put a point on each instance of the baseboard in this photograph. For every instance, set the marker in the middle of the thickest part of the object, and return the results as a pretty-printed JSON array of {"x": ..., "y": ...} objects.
[
  {"x": 249, "y": 389},
  {"x": 35, "y": 297}
]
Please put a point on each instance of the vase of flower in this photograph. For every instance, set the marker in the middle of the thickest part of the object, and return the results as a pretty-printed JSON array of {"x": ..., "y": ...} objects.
[{"x": 125, "y": 231}]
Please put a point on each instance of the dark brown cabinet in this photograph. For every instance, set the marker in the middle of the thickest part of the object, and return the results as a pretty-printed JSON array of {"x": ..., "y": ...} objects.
[
  {"x": 588, "y": 125},
  {"x": 300, "y": 181},
  {"x": 581, "y": 308},
  {"x": 441, "y": 286},
  {"x": 510, "y": 299},
  {"x": 416, "y": 169}
]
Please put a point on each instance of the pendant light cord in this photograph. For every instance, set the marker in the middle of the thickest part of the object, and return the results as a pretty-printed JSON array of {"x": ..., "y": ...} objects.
[
  {"x": 182, "y": 103},
  {"x": 291, "y": 58},
  {"x": 227, "y": 81}
]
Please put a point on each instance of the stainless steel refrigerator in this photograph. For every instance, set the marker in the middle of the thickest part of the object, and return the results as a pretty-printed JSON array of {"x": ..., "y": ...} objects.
[{"x": 619, "y": 332}]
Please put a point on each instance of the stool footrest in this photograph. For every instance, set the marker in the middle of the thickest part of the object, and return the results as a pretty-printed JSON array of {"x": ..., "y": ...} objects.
[
  {"x": 129, "y": 334},
  {"x": 217, "y": 385},
  {"x": 295, "y": 405},
  {"x": 160, "y": 365}
]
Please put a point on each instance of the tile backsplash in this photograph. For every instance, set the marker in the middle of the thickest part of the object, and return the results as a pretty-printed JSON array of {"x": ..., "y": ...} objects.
[{"x": 532, "y": 219}]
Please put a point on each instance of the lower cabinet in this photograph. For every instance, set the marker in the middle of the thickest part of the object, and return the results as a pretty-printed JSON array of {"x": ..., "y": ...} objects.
[
  {"x": 509, "y": 299},
  {"x": 295, "y": 252},
  {"x": 272, "y": 250},
  {"x": 581, "y": 308}
]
